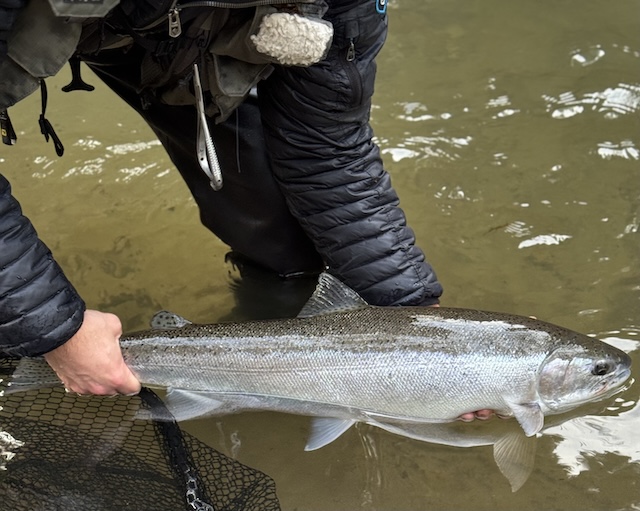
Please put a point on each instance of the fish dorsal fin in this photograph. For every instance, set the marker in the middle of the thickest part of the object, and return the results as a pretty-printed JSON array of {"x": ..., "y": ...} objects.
[
  {"x": 331, "y": 295},
  {"x": 165, "y": 320},
  {"x": 325, "y": 430},
  {"x": 515, "y": 456}
]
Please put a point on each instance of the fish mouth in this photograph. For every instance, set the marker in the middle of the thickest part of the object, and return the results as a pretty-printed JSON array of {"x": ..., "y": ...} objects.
[
  {"x": 606, "y": 390},
  {"x": 617, "y": 384}
]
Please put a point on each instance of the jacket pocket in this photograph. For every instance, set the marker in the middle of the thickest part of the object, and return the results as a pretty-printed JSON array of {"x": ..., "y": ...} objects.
[{"x": 358, "y": 37}]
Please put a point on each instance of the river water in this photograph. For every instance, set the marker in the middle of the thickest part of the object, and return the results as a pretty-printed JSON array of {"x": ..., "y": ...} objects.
[{"x": 510, "y": 130}]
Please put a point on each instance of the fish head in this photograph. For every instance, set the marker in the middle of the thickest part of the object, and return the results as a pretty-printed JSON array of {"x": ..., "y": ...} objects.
[{"x": 579, "y": 373}]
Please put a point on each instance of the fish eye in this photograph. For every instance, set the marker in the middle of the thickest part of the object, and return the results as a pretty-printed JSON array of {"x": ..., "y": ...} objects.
[{"x": 601, "y": 368}]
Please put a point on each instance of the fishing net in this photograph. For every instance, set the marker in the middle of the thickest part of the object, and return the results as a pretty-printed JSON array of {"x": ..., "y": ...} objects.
[{"x": 60, "y": 452}]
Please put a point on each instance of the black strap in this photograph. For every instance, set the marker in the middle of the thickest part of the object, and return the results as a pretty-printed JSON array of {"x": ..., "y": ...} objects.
[
  {"x": 8, "y": 133},
  {"x": 45, "y": 126}
]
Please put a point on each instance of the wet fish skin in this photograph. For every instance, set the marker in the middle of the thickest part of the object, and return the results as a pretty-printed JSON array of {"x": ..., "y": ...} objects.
[
  {"x": 404, "y": 362},
  {"x": 353, "y": 362}
]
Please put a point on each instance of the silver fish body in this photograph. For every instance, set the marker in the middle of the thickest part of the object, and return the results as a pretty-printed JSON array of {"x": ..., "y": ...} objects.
[
  {"x": 354, "y": 362},
  {"x": 344, "y": 361}
]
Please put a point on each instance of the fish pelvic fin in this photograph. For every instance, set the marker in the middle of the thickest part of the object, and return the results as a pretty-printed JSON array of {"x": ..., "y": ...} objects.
[
  {"x": 165, "y": 320},
  {"x": 331, "y": 295},
  {"x": 32, "y": 374},
  {"x": 529, "y": 415},
  {"x": 326, "y": 430},
  {"x": 189, "y": 404},
  {"x": 514, "y": 454}
]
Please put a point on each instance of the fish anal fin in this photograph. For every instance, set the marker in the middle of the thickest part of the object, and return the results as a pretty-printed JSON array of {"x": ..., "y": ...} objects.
[
  {"x": 189, "y": 404},
  {"x": 326, "y": 430},
  {"x": 514, "y": 454},
  {"x": 331, "y": 295}
]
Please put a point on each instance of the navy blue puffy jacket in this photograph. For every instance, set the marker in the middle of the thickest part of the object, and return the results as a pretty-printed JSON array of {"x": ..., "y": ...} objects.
[
  {"x": 316, "y": 124},
  {"x": 39, "y": 308}
]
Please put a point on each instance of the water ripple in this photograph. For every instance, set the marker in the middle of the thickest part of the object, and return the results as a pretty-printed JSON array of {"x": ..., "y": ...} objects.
[
  {"x": 545, "y": 239},
  {"x": 585, "y": 437},
  {"x": 625, "y": 149},
  {"x": 587, "y": 57},
  {"x": 88, "y": 168},
  {"x": 501, "y": 102},
  {"x": 518, "y": 229},
  {"x": 612, "y": 102},
  {"x": 426, "y": 147},
  {"x": 137, "y": 147},
  {"x": 87, "y": 143},
  {"x": 626, "y": 339}
]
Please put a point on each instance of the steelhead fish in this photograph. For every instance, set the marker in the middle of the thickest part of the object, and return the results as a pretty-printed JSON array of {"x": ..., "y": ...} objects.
[{"x": 344, "y": 361}]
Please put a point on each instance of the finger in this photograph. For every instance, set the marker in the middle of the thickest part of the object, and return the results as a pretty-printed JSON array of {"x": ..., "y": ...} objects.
[
  {"x": 483, "y": 415},
  {"x": 130, "y": 384},
  {"x": 467, "y": 417}
]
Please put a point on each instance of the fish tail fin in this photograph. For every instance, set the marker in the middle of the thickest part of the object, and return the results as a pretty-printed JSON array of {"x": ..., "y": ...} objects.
[{"x": 31, "y": 374}]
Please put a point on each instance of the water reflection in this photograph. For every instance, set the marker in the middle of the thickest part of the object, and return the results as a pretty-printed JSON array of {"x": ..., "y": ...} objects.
[
  {"x": 8, "y": 447},
  {"x": 625, "y": 149},
  {"x": 585, "y": 438}
]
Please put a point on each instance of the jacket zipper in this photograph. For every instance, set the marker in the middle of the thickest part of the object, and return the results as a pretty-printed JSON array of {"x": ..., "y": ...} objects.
[
  {"x": 175, "y": 25},
  {"x": 350, "y": 63}
]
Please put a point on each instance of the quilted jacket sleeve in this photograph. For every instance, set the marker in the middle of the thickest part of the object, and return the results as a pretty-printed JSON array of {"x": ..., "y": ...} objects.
[
  {"x": 39, "y": 308},
  {"x": 316, "y": 123}
]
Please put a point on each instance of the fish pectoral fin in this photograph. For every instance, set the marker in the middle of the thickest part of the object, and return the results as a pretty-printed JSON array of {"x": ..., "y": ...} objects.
[
  {"x": 326, "y": 430},
  {"x": 190, "y": 404},
  {"x": 529, "y": 415},
  {"x": 165, "y": 320},
  {"x": 515, "y": 456}
]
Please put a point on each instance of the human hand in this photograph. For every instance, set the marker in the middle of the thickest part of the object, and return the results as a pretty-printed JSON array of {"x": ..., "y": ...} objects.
[
  {"x": 479, "y": 414},
  {"x": 482, "y": 415},
  {"x": 91, "y": 361}
]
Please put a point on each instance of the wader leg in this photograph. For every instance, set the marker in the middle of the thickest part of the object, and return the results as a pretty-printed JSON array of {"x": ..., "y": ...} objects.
[{"x": 249, "y": 213}]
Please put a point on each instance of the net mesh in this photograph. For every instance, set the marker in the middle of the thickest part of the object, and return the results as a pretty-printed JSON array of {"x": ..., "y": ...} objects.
[{"x": 60, "y": 451}]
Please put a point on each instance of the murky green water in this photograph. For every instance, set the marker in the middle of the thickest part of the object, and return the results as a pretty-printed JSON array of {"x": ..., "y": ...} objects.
[{"x": 511, "y": 132}]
